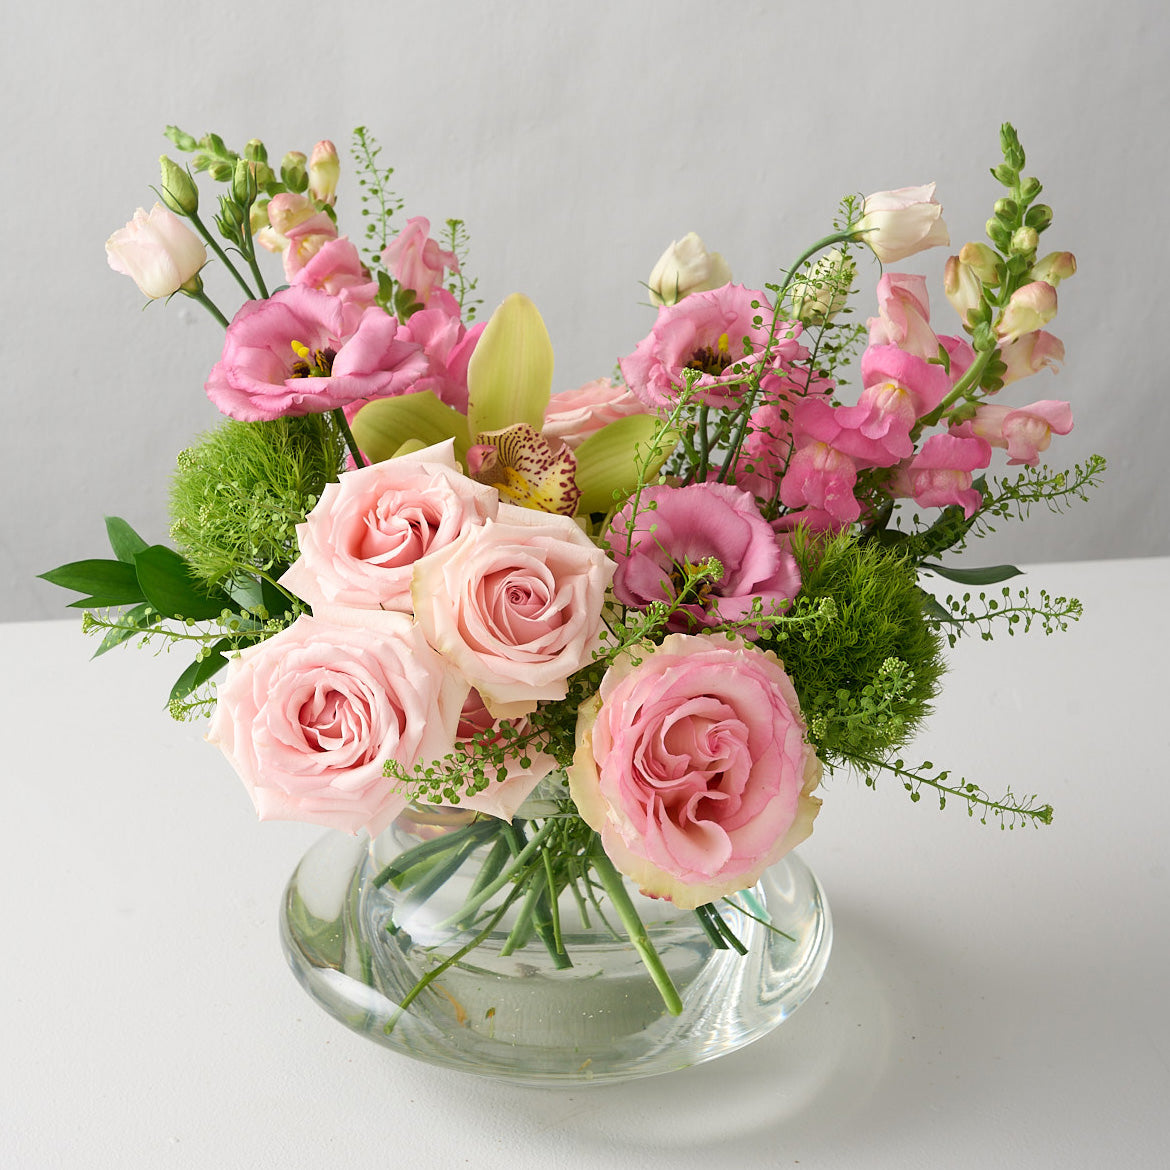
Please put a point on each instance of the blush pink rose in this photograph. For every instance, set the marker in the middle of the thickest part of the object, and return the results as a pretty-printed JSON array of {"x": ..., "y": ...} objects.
[
  {"x": 574, "y": 415},
  {"x": 693, "y": 766},
  {"x": 308, "y": 717},
  {"x": 416, "y": 261},
  {"x": 515, "y": 604},
  {"x": 302, "y": 351},
  {"x": 360, "y": 542},
  {"x": 679, "y": 526}
]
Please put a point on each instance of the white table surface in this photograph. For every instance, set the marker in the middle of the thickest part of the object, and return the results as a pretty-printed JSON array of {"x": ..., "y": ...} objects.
[{"x": 993, "y": 999}]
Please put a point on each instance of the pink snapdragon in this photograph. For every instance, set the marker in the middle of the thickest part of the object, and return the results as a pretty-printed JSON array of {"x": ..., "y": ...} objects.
[
  {"x": 940, "y": 474},
  {"x": 416, "y": 261},
  {"x": 723, "y": 334},
  {"x": 674, "y": 529},
  {"x": 1022, "y": 431},
  {"x": 903, "y": 315},
  {"x": 302, "y": 351},
  {"x": 692, "y": 764},
  {"x": 1030, "y": 354},
  {"x": 821, "y": 478},
  {"x": 1029, "y": 309},
  {"x": 336, "y": 268}
]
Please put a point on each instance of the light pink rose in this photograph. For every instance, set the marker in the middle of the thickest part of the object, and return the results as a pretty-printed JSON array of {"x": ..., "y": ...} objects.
[
  {"x": 308, "y": 717},
  {"x": 677, "y": 526},
  {"x": 416, "y": 261},
  {"x": 502, "y": 798},
  {"x": 159, "y": 252},
  {"x": 574, "y": 415},
  {"x": 516, "y": 605},
  {"x": 693, "y": 767},
  {"x": 303, "y": 351},
  {"x": 897, "y": 224},
  {"x": 361, "y": 540}
]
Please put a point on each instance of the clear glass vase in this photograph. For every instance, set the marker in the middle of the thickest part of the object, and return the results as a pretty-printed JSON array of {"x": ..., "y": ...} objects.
[{"x": 514, "y": 1006}]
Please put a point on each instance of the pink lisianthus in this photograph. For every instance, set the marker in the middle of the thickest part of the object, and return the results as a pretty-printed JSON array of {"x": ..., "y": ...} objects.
[
  {"x": 897, "y": 224},
  {"x": 1023, "y": 432},
  {"x": 903, "y": 315},
  {"x": 308, "y": 717},
  {"x": 360, "y": 542},
  {"x": 159, "y": 252},
  {"x": 940, "y": 474},
  {"x": 722, "y": 333},
  {"x": 502, "y": 798},
  {"x": 1029, "y": 354},
  {"x": 515, "y": 604},
  {"x": 303, "y": 351},
  {"x": 692, "y": 764},
  {"x": 416, "y": 261},
  {"x": 447, "y": 345},
  {"x": 675, "y": 528},
  {"x": 574, "y": 415},
  {"x": 336, "y": 268}
]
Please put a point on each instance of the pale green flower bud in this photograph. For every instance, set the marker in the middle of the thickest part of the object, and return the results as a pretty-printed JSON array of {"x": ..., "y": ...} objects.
[
  {"x": 293, "y": 171},
  {"x": 820, "y": 295},
  {"x": 1025, "y": 240},
  {"x": 1054, "y": 267},
  {"x": 982, "y": 260},
  {"x": 178, "y": 190}
]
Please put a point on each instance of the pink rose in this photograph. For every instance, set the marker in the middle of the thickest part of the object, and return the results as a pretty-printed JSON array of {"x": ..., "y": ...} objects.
[
  {"x": 515, "y": 604},
  {"x": 416, "y": 261},
  {"x": 361, "y": 540},
  {"x": 574, "y": 415},
  {"x": 308, "y": 717},
  {"x": 502, "y": 798},
  {"x": 675, "y": 527},
  {"x": 896, "y": 224},
  {"x": 722, "y": 333},
  {"x": 159, "y": 252},
  {"x": 303, "y": 351},
  {"x": 692, "y": 765}
]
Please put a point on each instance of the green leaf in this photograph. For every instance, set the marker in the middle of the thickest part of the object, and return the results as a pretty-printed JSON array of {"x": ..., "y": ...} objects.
[
  {"x": 382, "y": 427},
  {"x": 125, "y": 542},
  {"x": 167, "y": 583},
  {"x": 136, "y": 619},
  {"x": 509, "y": 377},
  {"x": 275, "y": 600},
  {"x": 608, "y": 461},
  {"x": 201, "y": 670},
  {"x": 932, "y": 609},
  {"x": 114, "y": 582},
  {"x": 989, "y": 575}
]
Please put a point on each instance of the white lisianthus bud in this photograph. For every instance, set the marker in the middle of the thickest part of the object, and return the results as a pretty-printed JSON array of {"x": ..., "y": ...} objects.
[
  {"x": 686, "y": 267},
  {"x": 159, "y": 252},
  {"x": 897, "y": 224},
  {"x": 822, "y": 293}
]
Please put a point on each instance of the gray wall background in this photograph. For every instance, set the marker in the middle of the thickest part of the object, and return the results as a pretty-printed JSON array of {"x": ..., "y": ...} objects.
[{"x": 576, "y": 141}]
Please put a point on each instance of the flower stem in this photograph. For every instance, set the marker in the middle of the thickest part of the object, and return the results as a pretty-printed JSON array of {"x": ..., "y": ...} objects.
[
  {"x": 213, "y": 243},
  {"x": 615, "y": 887},
  {"x": 347, "y": 435},
  {"x": 209, "y": 305}
]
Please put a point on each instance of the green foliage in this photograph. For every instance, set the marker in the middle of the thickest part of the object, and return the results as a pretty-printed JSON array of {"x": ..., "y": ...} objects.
[
  {"x": 865, "y": 678},
  {"x": 457, "y": 240},
  {"x": 1015, "y": 612},
  {"x": 239, "y": 493},
  {"x": 379, "y": 203}
]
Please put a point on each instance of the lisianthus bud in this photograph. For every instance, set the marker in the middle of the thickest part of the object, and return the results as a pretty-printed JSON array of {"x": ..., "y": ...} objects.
[
  {"x": 820, "y": 295},
  {"x": 963, "y": 287},
  {"x": 324, "y": 171},
  {"x": 1030, "y": 308},
  {"x": 1054, "y": 267},
  {"x": 1025, "y": 240},
  {"x": 244, "y": 183},
  {"x": 158, "y": 251},
  {"x": 179, "y": 192},
  {"x": 982, "y": 261},
  {"x": 686, "y": 267},
  {"x": 293, "y": 171},
  {"x": 897, "y": 224}
]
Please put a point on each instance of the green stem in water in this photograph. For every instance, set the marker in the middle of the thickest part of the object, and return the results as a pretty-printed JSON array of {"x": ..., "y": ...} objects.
[
  {"x": 613, "y": 885},
  {"x": 347, "y": 435}
]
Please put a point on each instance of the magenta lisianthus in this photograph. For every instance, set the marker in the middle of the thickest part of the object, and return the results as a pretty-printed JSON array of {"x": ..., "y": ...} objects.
[
  {"x": 692, "y": 764},
  {"x": 675, "y": 528},
  {"x": 302, "y": 351},
  {"x": 722, "y": 333}
]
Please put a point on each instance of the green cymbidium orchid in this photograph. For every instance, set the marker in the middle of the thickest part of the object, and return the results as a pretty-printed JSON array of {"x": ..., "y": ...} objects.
[{"x": 509, "y": 384}]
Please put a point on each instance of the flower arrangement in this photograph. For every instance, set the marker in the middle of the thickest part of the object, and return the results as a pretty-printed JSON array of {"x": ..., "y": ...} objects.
[{"x": 664, "y": 603}]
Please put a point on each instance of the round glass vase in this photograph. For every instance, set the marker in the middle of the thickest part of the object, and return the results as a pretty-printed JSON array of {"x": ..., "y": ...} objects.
[{"x": 503, "y": 1001}]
